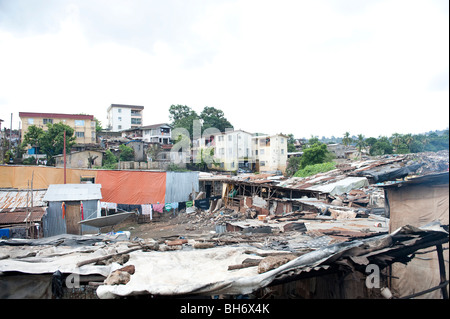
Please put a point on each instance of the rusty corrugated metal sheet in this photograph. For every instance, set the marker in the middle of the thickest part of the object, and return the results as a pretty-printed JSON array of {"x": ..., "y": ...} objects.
[
  {"x": 11, "y": 200},
  {"x": 20, "y": 217}
]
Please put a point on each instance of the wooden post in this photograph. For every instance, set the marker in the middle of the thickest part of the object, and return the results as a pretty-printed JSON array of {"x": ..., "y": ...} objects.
[{"x": 64, "y": 152}]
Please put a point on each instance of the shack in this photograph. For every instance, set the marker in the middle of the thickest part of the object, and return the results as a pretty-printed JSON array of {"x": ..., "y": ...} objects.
[
  {"x": 68, "y": 204},
  {"x": 21, "y": 213},
  {"x": 418, "y": 202}
]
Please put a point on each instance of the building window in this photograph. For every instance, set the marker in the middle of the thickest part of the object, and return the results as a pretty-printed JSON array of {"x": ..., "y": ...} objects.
[
  {"x": 119, "y": 118},
  {"x": 262, "y": 163},
  {"x": 119, "y": 110},
  {"x": 48, "y": 121},
  {"x": 264, "y": 141},
  {"x": 261, "y": 152},
  {"x": 79, "y": 134},
  {"x": 79, "y": 122},
  {"x": 282, "y": 151},
  {"x": 119, "y": 127},
  {"x": 135, "y": 121},
  {"x": 30, "y": 121},
  {"x": 230, "y": 137}
]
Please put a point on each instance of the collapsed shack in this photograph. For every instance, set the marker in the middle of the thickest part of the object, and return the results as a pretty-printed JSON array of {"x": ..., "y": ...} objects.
[{"x": 119, "y": 268}]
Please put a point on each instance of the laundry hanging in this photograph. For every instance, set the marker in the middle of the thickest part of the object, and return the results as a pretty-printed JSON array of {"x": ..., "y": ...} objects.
[
  {"x": 181, "y": 205},
  {"x": 202, "y": 203},
  {"x": 158, "y": 208},
  {"x": 147, "y": 210},
  {"x": 81, "y": 210},
  {"x": 63, "y": 208}
]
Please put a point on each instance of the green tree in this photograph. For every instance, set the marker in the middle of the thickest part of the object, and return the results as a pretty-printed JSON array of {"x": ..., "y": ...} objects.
[
  {"x": 214, "y": 118},
  {"x": 98, "y": 125},
  {"x": 381, "y": 147},
  {"x": 370, "y": 141},
  {"x": 314, "y": 154},
  {"x": 126, "y": 153},
  {"x": 183, "y": 116},
  {"x": 52, "y": 141},
  {"x": 33, "y": 136},
  {"x": 396, "y": 139},
  {"x": 109, "y": 160},
  {"x": 291, "y": 144}
]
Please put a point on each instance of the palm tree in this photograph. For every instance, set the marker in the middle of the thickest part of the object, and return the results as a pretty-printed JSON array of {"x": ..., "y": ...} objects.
[
  {"x": 360, "y": 144},
  {"x": 408, "y": 139},
  {"x": 346, "y": 140},
  {"x": 396, "y": 139}
]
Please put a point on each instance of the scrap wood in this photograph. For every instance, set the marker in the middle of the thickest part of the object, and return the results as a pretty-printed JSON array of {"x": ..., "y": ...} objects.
[
  {"x": 249, "y": 262},
  {"x": 203, "y": 245},
  {"x": 177, "y": 242},
  {"x": 97, "y": 259},
  {"x": 341, "y": 232}
]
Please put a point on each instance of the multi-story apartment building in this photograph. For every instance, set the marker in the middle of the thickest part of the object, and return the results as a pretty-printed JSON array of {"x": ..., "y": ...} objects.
[
  {"x": 233, "y": 150},
  {"x": 124, "y": 117},
  {"x": 83, "y": 125},
  {"x": 270, "y": 152}
]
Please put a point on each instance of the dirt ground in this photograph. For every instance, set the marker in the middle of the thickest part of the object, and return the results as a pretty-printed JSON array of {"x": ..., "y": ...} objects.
[{"x": 164, "y": 228}]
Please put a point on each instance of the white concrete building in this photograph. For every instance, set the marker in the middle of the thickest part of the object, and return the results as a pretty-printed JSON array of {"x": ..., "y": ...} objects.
[
  {"x": 124, "y": 117},
  {"x": 239, "y": 149},
  {"x": 270, "y": 152},
  {"x": 233, "y": 150},
  {"x": 157, "y": 133}
]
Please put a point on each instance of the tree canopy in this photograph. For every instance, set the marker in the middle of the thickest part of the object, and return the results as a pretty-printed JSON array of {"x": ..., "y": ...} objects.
[
  {"x": 182, "y": 116},
  {"x": 214, "y": 118},
  {"x": 50, "y": 142}
]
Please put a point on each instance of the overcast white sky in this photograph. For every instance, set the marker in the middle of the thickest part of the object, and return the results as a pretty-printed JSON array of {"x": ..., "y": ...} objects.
[{"x": 307, "y": 67}]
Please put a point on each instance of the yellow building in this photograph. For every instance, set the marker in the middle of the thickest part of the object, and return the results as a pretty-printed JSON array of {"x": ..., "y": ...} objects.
[{"x": 83, "y": 125}]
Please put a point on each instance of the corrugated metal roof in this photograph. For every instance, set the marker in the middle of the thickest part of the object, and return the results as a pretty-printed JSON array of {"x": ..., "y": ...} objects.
[
  {"x": 73, "y": 192},
  {"x": 21, "y": 217},
  {"x": 11, "y": 200}
]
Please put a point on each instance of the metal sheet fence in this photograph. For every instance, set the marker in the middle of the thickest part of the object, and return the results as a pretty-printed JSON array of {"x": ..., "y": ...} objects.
[{"x": 179, "y": 185}]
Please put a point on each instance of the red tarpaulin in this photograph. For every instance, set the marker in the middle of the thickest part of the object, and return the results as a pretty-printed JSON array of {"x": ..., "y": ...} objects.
[{"x": 134, "y": 188}]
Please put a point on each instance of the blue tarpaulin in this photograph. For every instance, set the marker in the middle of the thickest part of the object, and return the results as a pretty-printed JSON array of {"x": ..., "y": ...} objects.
[{"x": 4, "y": 232}]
